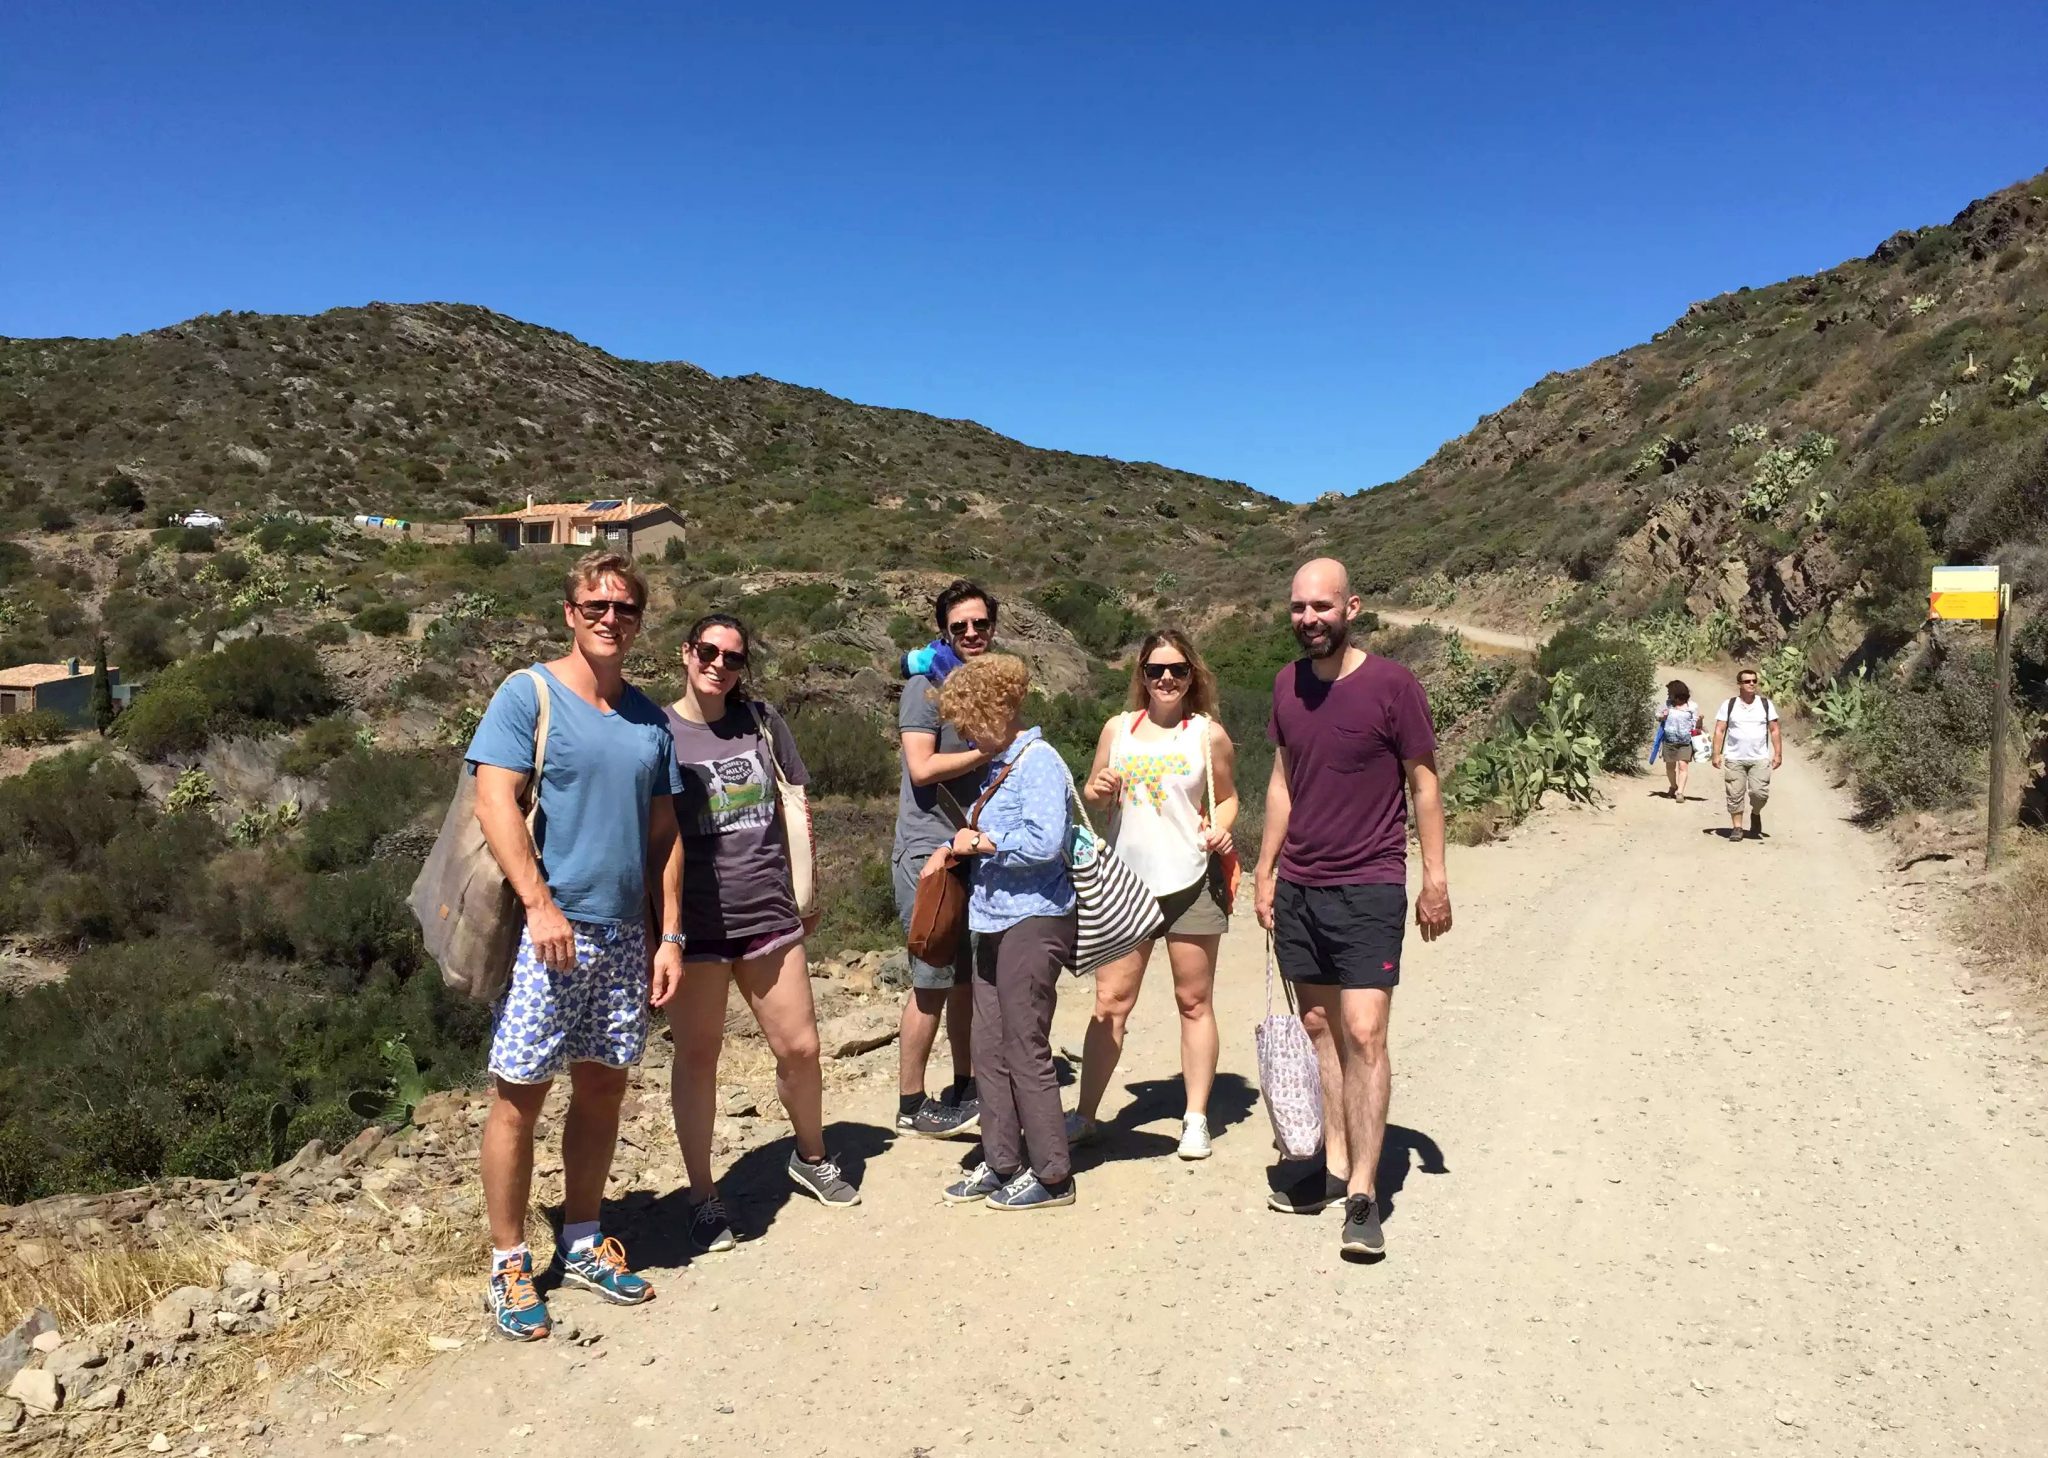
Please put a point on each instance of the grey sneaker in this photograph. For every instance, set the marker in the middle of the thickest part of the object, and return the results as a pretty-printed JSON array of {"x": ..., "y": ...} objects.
[
  {"x": 1312, "y": 1194},
  {"x": 1082, "y": 1130},
  {"x": 942, "y": 1121},
  {"x": 1362, "y": 1227},
  {"x": 823, "y": 1181},
  {"x": 975, "y": 1188},
  {"x": 1028, "y": 1192},
  {"x": 710, "y": 1226}
]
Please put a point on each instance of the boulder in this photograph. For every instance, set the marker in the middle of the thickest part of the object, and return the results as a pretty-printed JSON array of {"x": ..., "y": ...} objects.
[
  {"x": 71, "y": 1359},
  {"x": 36, "y": 1390},
  {"x": 105, "y": 1399},
  {"x": 47, "y": 1342},
  {"x": 18, "y": 1346},
  {"x": 861, "y": 1030},
  {"x": 175, "y": 1315},
  {"x": 449, "y": 1106},
  {"x": 12, "y": 1415},
  {"x": 308, "y": 1157}
]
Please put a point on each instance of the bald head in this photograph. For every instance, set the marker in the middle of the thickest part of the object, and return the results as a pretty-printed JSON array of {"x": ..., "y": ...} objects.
[
  {"x": 1320, "y": 607},
  {"x": 1325, "y": 577}
]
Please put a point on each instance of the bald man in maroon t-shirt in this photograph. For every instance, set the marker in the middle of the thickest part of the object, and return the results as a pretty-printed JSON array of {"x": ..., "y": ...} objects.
[{"x": 1350, "y": 731}]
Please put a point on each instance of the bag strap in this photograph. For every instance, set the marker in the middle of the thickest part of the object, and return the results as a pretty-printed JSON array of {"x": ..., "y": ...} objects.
[
  {"x": 1073, "y": 794},
  {"x": 542, "y": 715},
  {"x": 767, "y": 743},
  {"x": 974, "y": 815},
  {"x": 1286, "y": 987},
  {"x": 1208, "y": 769}
]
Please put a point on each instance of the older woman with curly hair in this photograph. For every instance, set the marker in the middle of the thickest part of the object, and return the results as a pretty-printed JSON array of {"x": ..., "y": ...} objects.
[{"x": 1021, "y": 911}]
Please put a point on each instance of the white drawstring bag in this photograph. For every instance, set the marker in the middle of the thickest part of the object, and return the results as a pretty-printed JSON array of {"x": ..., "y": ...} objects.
[{"x": 1288, "y": 1075}]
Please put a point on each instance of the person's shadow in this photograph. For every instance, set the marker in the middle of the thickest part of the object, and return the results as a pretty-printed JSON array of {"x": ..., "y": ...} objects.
[
  {"x": 1401, "y": 1150},
  {"x": 1152, "y": 1099},
  {"x": 656, "y": 1227}
]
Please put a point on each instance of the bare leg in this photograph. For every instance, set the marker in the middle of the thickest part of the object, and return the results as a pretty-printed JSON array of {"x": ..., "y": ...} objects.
[
  {"x": 1116, "y": 993},
  {"x": 918, "y": 1034},
  {"x": 777, "y": 988},
  {"x": 508, "y": 1157},
  {"x": 1671, "y": 768},
  {"x": 590, "y": 1138},
  {"x": 696, "y": 1018},
  {"x": 1679, "y": 773},
  {"x": 1193, "y": 960},
  {"x": 1368, "y": 1080},
  {"x": 1318, "y": 1013}
]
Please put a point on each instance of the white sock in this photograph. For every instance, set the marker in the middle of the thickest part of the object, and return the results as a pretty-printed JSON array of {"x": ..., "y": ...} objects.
[
  {"x": 499, "y": 1257},
  {"x": 580, "y": 1236}
]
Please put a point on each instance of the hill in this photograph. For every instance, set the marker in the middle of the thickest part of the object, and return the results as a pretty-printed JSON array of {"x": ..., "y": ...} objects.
[
  {"x": 1779, "y": 460},
  {"x": 428, "y": 411}
]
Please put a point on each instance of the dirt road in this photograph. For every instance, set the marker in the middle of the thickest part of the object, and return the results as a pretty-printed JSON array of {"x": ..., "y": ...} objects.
[
  {"x": 1697, "y": 1149},
  {"x": 1479, "y": 637}
]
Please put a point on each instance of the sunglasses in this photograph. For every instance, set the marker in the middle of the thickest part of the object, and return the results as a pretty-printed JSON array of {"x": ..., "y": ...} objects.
[
  {"x": 594, "y": 609},
  {"x": 707, "y": 655},
  {"x": 965, "y": 626},
  {"x": 1157, "y": 671},
  {"x": 1745, "y": 683}
]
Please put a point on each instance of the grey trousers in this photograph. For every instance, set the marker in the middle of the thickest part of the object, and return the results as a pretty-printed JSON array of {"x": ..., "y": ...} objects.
[{"x": 1016, "y": 981}]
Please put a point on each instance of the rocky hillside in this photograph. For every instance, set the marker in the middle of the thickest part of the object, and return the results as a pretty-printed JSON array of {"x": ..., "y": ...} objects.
[
  {"x": 429, "y": 411},
  {"x": 1775, "y": 452}
]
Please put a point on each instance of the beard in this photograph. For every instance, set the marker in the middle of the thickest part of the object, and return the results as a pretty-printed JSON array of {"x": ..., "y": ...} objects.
[{"x": 1323, "y": 640}]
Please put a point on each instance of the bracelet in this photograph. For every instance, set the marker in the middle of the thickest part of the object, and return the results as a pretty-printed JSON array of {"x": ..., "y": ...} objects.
[{"x": 675, "y": 938}]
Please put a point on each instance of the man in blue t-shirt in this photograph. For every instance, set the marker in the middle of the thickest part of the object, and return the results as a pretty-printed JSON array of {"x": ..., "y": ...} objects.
[{"x": 582, "y": 980}]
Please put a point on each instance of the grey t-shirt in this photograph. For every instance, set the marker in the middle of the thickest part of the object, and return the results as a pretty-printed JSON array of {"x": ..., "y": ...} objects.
[
  {"x": 921, "y": 827},
  {"x": 735, "y": 865}
]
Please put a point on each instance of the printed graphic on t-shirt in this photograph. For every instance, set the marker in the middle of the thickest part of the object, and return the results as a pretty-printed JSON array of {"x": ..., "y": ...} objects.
[
  {"x": 1145, "y": 773},
  {"x": 735, "y": 794}
]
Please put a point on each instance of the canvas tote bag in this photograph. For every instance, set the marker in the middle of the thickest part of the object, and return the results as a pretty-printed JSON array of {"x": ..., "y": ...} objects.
[
  {"x": 797, "y": 833},
  {"x": 1288, "y": 1076},
  {"x": 1115, "y": 910},
  {"x": 468, "y": 916}
]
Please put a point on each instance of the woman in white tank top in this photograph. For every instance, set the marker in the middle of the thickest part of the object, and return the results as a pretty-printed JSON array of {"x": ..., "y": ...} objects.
[{"x": 1154, "y": 766}]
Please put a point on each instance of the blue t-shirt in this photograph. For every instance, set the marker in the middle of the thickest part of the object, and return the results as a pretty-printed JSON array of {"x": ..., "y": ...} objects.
[{"x": 603, "y": 771}]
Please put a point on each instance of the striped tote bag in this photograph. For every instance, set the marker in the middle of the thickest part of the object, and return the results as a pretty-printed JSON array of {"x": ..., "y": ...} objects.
[{"x": 1115, "y": 910}]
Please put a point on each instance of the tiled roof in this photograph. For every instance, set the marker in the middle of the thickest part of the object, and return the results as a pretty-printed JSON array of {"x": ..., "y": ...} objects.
[
  {"x": 578, "y": 510},
  {"x": 35, "y": 675}
]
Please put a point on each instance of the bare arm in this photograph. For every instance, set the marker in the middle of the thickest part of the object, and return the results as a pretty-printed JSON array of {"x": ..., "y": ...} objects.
[
  {"x": 1278, "y": 805},
  {"x": 1777, "y": 746},
  {"x": 928, "y": 767},
  {"x": 1720, "y": 738},
  {"x": 1103, "y": 784},
  {"x": 665, "y": 871},
  {"x": 1223, "y": 769},
  {"x": 504, "y": 827},
  {"x": 1425, "y": 792}
]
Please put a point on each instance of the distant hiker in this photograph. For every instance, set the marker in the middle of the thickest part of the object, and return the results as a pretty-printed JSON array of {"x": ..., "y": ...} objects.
[
  {"x": 582, "y": 978},
  {"x": 740, "y": 917},
  {"x": 1154, "y": 768},
  {"x": 1021, "y": 911},
  {"x": 1349, "y": 729},
  {"x": 1748, "y": 749},
  {"x": 936, "y": 762},
  {"x": 1678, "y": 720}
]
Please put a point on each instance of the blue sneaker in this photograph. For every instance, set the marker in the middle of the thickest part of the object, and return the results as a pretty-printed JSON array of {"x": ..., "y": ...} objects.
[
  {"x": 517, "y": 1312},
  {"x": 975, "y": 1188},
  {"x": 602, "y": 1268},
  {"x": 1028, "y": 1192}
]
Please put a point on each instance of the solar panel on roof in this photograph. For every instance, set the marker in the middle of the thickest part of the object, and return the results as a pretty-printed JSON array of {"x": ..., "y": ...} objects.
[{"x": 604, "y": 506}]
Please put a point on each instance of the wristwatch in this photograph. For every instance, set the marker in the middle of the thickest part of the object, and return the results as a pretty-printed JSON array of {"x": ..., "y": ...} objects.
[{"x": 676, "y": 937}]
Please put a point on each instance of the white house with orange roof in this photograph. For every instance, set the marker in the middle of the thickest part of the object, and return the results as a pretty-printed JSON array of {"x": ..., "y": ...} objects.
[{"x": 624, "y": 524}]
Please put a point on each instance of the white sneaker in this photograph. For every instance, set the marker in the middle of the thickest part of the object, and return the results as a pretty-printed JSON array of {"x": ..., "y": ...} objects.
[{"x": 1194, "y": 1137}]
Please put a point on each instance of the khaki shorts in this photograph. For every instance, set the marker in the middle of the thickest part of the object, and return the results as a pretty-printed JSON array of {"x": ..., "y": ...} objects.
[
  {"x": 1193, "y": 912},
  {"x": 1680, "y": 753},
  {"x": 1748, "y": 780}
]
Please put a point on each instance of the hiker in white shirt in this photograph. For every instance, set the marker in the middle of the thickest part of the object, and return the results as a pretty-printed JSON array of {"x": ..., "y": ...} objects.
[{"x": 1748, "y": 746}]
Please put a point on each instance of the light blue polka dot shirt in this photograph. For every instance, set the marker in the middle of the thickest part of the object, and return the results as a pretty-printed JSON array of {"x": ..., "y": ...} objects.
[{"x": 1029, "y": 819}]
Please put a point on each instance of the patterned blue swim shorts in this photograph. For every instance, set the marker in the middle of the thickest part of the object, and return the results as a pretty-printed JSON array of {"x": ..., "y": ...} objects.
[{"x": 594, "y": 1014}]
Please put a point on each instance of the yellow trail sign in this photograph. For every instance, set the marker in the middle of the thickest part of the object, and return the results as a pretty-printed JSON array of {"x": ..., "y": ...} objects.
[{"x": 1964, "y": 593}]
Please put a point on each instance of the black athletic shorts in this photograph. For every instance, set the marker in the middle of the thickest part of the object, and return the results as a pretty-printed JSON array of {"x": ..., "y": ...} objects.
[{"x": 1339, "y": 936}]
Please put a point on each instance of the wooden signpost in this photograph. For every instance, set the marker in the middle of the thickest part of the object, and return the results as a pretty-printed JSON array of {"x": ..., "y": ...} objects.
[{"x": 1976, "y": 594}]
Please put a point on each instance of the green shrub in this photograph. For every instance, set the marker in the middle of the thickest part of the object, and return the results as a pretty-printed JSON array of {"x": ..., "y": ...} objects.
[
  {"x": 374, "y": 793},
  {"x": 319, "y": 742},
  {"x": 859, "y": 913},
  {"x": 1616, "y": 678},
  {"x": 170, "y": 717},
  {"x": 1094, "y": 614},
  {"x": 262, "y": 680},
  {"x": 1880, "y": 536},
  {"x": 385, "y": 619},
  {"x": 326, "y": 634},
  {"x": 1924, "y": 742},
  {"x": 846, "y": 752},
  {"x": 43, "y": 726},
  {"x": 122, "y": 494},
  {"x": 184, "y": 539}
]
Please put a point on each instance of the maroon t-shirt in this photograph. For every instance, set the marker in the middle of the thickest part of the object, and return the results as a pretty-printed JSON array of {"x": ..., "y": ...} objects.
[{"x": 1348, "y": 825}]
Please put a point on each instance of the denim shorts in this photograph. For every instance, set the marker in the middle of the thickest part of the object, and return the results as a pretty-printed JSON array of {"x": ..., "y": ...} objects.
[{"x": 594, "y": 1013}]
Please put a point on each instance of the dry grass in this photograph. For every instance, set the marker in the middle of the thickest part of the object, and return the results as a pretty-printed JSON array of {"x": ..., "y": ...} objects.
[
  {"x": 2009, "y": 919},
  {"x": 371, "y": 1328}
]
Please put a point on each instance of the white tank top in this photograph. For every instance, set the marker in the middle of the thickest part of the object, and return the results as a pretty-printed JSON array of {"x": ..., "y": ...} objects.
[{"x": 1157, "y": 825}]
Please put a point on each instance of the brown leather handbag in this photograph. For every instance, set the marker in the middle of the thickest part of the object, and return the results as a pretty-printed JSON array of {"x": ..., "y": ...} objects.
[{"x": 938, "y": 916}]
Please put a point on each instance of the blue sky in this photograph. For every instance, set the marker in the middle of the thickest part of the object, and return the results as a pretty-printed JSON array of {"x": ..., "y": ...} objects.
[{"x": 1297, "y": 246}]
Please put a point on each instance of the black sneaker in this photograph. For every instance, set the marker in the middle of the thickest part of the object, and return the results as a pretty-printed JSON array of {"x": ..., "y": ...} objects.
[
  {"x": 1362, "y": 1227},
  {"x": 906, "y": 1119},
  {"x": 942, "y": 1121},
  {"x": 710, "y": 1226},
  {"x": 1312, "y": 1194}
]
